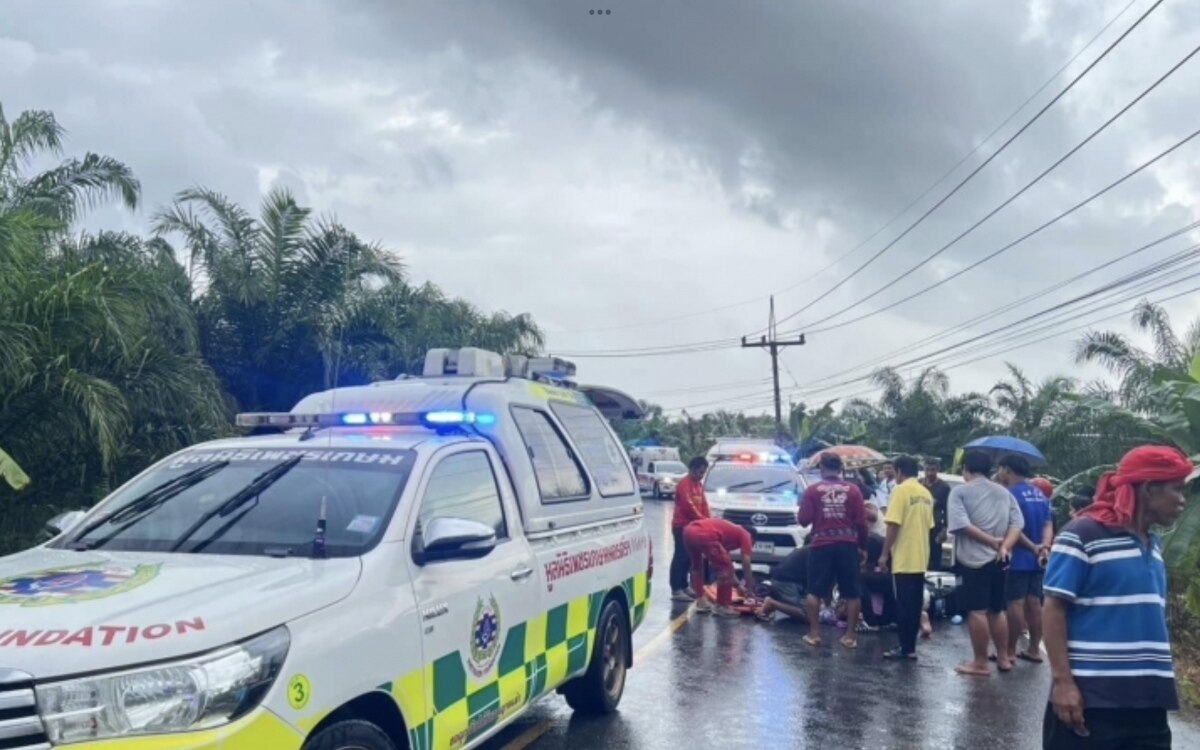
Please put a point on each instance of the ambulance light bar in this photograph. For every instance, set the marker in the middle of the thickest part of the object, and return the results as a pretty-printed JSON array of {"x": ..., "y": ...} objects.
[{"x": 433, "y": 419}]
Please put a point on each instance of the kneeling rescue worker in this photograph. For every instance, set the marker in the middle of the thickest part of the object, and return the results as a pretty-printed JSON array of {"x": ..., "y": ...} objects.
[{"x": 712, "y": 539}]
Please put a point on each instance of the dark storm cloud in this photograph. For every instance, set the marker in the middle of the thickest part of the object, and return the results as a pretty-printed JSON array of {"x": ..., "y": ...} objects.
[{"x": 672, "y": 156}]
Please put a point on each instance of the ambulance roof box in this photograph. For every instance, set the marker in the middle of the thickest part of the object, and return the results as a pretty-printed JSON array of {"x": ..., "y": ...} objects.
[{"x": 468, "y": 361}]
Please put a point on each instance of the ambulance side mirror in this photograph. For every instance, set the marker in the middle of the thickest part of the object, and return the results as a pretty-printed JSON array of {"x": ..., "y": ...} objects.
[
  {"x": 453, "y": 539},
  {"x": 62, "y": 523}
]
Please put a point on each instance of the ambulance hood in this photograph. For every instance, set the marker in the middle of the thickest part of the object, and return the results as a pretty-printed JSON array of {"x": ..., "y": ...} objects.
[{"x": 65, "y": 612}]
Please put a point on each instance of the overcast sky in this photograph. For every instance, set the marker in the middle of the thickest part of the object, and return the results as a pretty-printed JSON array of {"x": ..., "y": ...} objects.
[{"x": 647, "y": 177}]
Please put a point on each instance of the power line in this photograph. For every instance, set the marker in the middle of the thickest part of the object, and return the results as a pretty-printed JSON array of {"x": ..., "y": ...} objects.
[
  {"x": 832, "y": 264},
  {"x": 937, "y": 359},
  {"x": 1025, "y": 344},
  {"x": 979, "y": 168},
  {"x": 1007, "y": 307},
  {"x": 1017, "y": 194},
  {"x": 1014, "y": 243},
  {"x": 1005, "y": 350}
]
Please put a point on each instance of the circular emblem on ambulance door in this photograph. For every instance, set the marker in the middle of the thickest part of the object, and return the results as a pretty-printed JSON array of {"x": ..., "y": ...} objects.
[
  {"x": 485, "y": 637},
  {"x": 759, "y": 519},
  {"x": 80, "y": 583}
]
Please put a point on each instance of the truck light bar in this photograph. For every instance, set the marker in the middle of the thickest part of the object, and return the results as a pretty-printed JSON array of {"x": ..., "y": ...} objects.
[
  {"x": 433, "y": 419},
  {"x": 747, "y": 457}
]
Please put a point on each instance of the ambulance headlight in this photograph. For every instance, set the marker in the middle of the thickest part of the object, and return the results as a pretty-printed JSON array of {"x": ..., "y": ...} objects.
[{"x": 198, "y": 693}]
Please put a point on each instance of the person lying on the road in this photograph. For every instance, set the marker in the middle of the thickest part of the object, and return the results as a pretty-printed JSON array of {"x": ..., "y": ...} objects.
[
  {"x": 789, "y": 583},
  {"x": 712, "y": 539}
]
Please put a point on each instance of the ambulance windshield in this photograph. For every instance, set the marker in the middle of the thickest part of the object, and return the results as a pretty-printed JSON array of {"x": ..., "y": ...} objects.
[{"x": 333, "y": 503}]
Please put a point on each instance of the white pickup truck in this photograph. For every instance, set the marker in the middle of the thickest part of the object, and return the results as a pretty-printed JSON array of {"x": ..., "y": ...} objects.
[{"x": 408, "y": 564}]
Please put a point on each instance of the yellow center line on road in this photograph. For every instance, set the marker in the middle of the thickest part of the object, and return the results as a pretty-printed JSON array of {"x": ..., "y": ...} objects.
[{"x": 535, "y": 732}]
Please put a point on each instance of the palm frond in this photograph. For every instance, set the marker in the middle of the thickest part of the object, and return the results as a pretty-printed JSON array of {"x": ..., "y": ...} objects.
[
  {"x": 33, "y": 131},
  {"x": 1154, "y": 319},
  {"x": 77, "y": 185}
]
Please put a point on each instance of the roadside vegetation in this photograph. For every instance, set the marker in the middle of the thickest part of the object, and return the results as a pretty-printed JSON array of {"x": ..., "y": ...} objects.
[{"x": 117, "y": 349}]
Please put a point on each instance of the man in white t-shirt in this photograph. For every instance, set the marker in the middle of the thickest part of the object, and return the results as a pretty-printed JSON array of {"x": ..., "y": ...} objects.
[{"x": 887, "y": 483}]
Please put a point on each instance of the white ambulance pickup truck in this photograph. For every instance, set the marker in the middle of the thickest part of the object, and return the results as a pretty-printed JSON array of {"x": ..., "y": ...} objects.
[{"x": 407, "y": 564}]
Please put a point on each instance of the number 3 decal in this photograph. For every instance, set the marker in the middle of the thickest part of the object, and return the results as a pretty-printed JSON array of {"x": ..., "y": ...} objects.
[{"x": 299, "y": 691}]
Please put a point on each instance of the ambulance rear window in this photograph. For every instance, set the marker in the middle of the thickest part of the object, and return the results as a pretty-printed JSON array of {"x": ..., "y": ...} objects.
[
  {"x": 559, "y": 476},
  {"x": 600, "y": 452}
]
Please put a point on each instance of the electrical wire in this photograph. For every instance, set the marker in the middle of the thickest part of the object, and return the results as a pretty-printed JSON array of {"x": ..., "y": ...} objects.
[
  {"x": 832, "y": 264},
  {"x": 1111, "y": 186},
  {"x": 1009, "y": 306},
  {"x": 981, "y": 166}
]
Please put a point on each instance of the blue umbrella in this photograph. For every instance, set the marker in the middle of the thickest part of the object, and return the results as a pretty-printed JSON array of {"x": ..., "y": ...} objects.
[{"x": 999, "y": 445}]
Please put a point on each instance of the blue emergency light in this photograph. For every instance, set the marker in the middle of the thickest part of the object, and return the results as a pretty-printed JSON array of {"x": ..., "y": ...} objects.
[
  {"x": 431, "y": 419},
  {"x": 443, "y": 418}
]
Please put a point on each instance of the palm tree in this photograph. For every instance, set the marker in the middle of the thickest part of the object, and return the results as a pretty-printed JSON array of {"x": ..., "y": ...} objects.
[
  {"x": 101, "y": 372},
  {"x": 919, "y": 417},
  {"x": 274, "y": 293},
  {"x": 1030, "y": 407},
  {"x": 1134, "y": 366},
  {"x": 60, "y": 193}
]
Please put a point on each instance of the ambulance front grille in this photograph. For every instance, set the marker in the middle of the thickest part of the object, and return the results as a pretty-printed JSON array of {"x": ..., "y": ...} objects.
[{"x": 20, "y": 727}]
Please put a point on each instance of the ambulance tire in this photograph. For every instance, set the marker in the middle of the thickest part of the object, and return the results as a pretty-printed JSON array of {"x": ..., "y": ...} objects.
[
  {"x": 598, "y": 691},
  {"x": 351, "y": 734}
]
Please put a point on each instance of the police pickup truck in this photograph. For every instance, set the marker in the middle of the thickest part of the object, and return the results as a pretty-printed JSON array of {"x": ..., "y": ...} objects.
[
  {"x": 407, "y": 564},
  {"x": 759, "y": 488}
]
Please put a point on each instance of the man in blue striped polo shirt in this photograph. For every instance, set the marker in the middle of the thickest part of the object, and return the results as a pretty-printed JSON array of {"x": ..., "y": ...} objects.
[{"x": 1105, "y": 614}]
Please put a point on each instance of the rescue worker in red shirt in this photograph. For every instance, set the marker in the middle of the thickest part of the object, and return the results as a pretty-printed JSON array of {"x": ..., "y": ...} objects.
[
  {"x": 690, "y": 505},
  {"x": 712, "y": 539}
]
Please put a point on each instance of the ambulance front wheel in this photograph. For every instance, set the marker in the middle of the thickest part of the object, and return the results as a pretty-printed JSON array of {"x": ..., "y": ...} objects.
[
  {"x": 598, "y": 690},
  {"x": 351, "y": 734}
]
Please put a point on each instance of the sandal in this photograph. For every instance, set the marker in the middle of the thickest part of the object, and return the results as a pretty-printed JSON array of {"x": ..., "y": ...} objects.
[
  {"x": 814, "y": 642},
  {"x": 898, "y": 655},
  {"x": 848, "y": 643}
]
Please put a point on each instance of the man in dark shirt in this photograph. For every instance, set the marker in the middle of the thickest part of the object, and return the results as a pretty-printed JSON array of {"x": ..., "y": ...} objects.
[
  {"x": 835, "y": 510},
  {"x": 789, "y": 585},
  {"x": 941, "y": 495}
]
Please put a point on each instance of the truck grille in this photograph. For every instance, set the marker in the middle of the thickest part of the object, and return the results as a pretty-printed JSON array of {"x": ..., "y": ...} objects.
[
  {"x": 20, "y": 727},
  {"x": 746, "y": 518}
]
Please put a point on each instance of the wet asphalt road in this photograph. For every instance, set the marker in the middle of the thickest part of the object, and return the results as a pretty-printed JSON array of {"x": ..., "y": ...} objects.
[{"x": 705, "y": 683}]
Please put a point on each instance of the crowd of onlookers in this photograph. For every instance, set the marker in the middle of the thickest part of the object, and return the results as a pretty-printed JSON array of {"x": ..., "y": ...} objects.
[{"x": 1094, "y": 592}]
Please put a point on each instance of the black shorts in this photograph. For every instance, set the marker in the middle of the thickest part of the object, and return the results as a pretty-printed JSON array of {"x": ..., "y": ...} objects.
[
  {"x": 983, "y": 589},
  {"x": 1024, "y": 583},
  {"x": 836, "y": 563}
]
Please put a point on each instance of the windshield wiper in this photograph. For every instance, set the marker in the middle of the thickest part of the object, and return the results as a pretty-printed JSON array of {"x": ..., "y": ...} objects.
[
  {"x": 235, "y": 501},
  {"x": 777, "y": 486},
  {"x": 741, "y": 485},
  {"x": 144, "y": 505}
]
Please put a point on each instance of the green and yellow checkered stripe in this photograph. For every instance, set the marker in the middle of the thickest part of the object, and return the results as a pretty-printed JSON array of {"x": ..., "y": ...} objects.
[{"x": 441, "y": 701}]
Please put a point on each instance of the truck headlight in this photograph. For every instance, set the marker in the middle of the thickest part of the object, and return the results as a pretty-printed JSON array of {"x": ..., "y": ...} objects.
[{"x": 198, "y": 693}]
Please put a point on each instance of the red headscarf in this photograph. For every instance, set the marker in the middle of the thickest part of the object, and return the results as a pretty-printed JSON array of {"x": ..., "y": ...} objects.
[{"x": 1116, "y": 497}]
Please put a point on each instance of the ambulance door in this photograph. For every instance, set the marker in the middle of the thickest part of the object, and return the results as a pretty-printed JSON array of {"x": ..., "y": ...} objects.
[{"x": 472, "y": 594}]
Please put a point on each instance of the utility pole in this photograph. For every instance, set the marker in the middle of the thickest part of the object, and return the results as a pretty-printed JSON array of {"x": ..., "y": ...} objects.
[{"x": 773, "y": 344}]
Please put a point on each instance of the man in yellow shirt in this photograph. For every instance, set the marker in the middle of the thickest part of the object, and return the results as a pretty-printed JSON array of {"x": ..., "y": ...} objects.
[{"x": 906, "y": 546}]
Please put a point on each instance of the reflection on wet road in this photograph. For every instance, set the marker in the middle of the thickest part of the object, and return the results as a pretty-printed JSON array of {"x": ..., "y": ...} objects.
[{"x": 742, "y": 684}]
